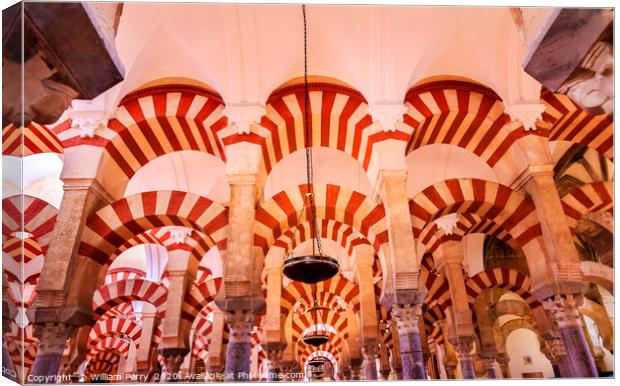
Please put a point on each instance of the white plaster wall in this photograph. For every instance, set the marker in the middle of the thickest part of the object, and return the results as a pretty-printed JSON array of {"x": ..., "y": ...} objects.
[
  {"x": 331, "y": 166},
  {"x": 39, "y": 178},
  {"x": 435, "y": 163},
  {"x": 188, "y": 171},
  {"x": 473, "y": 247},
  {"x": 522, "y": 342}
]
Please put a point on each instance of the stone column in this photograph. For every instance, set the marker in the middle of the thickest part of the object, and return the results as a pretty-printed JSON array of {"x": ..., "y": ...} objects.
[
  {"x": 564, "y": 312},
  {"x": 503, "y": 359},
  {"x": 239, "y": 351},
  {"x": 370, "y": 349},
  {"x": 395, "y": 360},
  {"x": 173, "y": 358},
  {"x": 273, "y": 362},
  {"x": 384, "y": 364},
  {"x": 463, "y": 346},
  {"x": 52, "y": 342},
  {"x": 406, "y": 317},
  {"x": 146, "y": 354},
  {"x": 355, "y": 368},
  {"x": 488, "y": 358}
]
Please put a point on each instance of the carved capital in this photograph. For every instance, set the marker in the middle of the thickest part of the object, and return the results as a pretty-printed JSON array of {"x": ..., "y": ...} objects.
[
  {"x": 406, "y": 318},
  {"x": 240, "y": 324},
  {"x": 564, "y": 308},
  {"x": 388, "y": 114},
  {"x": 244, "y": 117},
  {"x": 52, "y": 337},
  {"x": 447, "y": 223},
  {"x": 527, "y": 114},
  {"x": 179, "y": 234},
  {"x": 463, "y": 346},
  {"x": 370, "y": 349}
]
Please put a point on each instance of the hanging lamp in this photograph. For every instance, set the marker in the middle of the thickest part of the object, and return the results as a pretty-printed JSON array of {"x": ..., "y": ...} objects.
[
  {"x": 316, "y": 337},
  {"x": 315, "y": 267}
]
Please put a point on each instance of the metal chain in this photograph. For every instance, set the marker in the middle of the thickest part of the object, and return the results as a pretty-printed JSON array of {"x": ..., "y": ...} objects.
[{"x": 309, "y": 171}]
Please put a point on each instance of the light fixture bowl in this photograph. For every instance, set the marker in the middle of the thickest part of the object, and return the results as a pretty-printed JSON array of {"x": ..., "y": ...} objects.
[
  {"x": 315, "y": 339},
  {"x": 310, "y": 269},
  {"x": 316, "y": 362}
]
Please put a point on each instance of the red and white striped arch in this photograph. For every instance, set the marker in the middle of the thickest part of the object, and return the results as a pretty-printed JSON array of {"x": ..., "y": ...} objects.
[
  {"x": 112, "y": 226},
  {"x": 343, "y": 234},
  {"x": 324, "y": 354},
  {"x": 432, "y": 316},
  {"x": 199, "y": 297},
  {"x": 122, "y": 310},
  {"x": 506, "y": 278},
  {"x": 571, "y": 123},
  {"x": 104, "y": 362},
  {"x": 37, "y": 139},
  {"x": 39, "y": 218},
  {"x": 338, "y": 117},
  {"x": 510, "y": 210},
  {"x": 152, "y": 122},
  {"x": 462, "y": 114},
  {"x": 588, "y": 198},
  {"x": 438, "y": 289},
  {"x": 334, "y": 345},
  {"x": 337, "y": 285},
  {"x": 122, "y": 327},
  {"x": 432, "y": 237},
  {"x": 281, "y": 213},
  {"x": 123, "y": 273},
  {"x": 113, "y": 294},
  {"x": 110, "y": 343},
  {"x": 336, "y": 320}
]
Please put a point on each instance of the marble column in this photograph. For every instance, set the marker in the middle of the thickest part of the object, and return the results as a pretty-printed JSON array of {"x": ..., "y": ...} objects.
[
  {"x": 273, "y": 362},
  {"x": 463, "y": 346},
  {"x": 406, "y": 317},
  {"x": 563, "y": 309},
  {"x": 503, "y": 359},
  {"x": 370, "y": 349},
  {"x": 384, "y": 362},
  {"x": 356, "y": 364},
  {"x": 146, "y": 354},
  {"x": 239, "y": 351},
  {"x": 173, "y": 358},
  {"x": 8, "y": 370},
  {"x": 52, "y": 341},
  {"x": 488, "y": 358}
]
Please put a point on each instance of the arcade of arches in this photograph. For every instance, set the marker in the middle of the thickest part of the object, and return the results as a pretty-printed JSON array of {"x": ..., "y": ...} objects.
[{"x": 470, "y": 208}]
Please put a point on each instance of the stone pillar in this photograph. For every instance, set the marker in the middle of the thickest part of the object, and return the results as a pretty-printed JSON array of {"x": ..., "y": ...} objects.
[
  {"x": 488, "y": 358},
  {"x": 52, "y": 342},
  {"x": 145, "y": 364},
  {"x": 503, "y": 359},
  {"x": 564, "y": 312},
  {"x": 239, "y": 351},
  {"x": 173, "y": 358},
  {"x": 463, "y": 346},
  {"x": 355, "y": 368},
  {"x": 406, "y": 317},
  {"x": 273, "y": 362},
  {"x": 370, "y": 349},
  {"x": 395, "y": 360},
  {"x": 384, "y": 364}
]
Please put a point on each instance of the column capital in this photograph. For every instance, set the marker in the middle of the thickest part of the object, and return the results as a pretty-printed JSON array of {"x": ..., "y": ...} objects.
[
  {"x": 88, "y": 116},
  {"x": 370, "y": 347},
  {"x": 240, "y": 323},
  {"x": 463, "y": 345},
  {"x": 388, "y": 114},
  {"x": 564, "y": 308},
  {"x": 407, "y": 317},
  {"x": 52, "y": 337},
  {"x": 243, "y": 117},
  {"x": 526, "y": 114}
]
